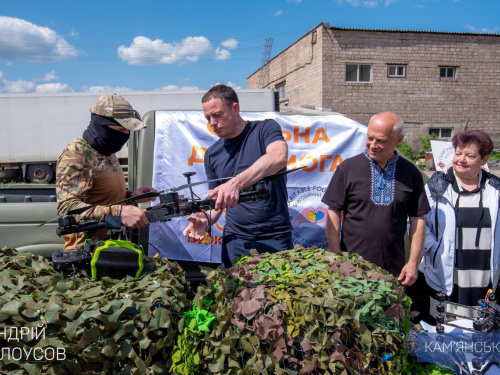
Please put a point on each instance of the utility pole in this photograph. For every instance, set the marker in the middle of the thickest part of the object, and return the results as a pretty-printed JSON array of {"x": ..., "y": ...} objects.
[{"x": 264, "y": 73}]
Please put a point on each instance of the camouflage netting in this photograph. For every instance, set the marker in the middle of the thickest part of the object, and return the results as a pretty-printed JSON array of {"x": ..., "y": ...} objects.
[
  {"x": 110, "y": 326},
  {"x": 301, "y": 311}
]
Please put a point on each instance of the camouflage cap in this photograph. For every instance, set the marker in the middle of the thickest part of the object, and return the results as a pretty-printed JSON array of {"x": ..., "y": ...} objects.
[{"x": 116, "y": 107}]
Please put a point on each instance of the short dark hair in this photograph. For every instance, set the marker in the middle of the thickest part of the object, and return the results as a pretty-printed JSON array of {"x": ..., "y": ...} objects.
[
  {"x": 480, "y": 138},
  {"x": 225, "y": 93}
]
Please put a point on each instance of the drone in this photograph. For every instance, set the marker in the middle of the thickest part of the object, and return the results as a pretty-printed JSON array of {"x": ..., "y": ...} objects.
[
  {"x": 485, "y": 320},
  {"x": 486, "y": 314},
  {"x": 171, "y": 205}
]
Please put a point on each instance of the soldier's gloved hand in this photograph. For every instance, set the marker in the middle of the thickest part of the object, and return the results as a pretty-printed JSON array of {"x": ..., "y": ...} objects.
[{"x": 133, "y": 217}]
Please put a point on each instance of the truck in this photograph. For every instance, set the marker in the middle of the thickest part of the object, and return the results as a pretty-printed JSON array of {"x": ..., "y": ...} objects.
[
  {"x": 35, "y": 128},
  {"x": 37, "y": 144}
]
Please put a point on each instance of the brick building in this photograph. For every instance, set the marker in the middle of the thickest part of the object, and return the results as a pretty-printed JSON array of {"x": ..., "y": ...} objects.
[{"x": 436, "y": 81}]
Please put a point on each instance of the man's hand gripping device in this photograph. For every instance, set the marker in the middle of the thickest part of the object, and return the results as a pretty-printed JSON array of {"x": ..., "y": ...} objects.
[{"x": 172, "y": 205}]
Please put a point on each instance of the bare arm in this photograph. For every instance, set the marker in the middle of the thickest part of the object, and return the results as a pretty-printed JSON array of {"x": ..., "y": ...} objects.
[
  {"x": 333, "y": 230},
  {"x": 272, "y": 161},
  {"x": 409, "y": 272}
]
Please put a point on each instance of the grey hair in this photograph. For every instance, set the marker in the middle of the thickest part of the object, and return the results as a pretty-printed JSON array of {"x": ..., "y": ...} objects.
[{"x": 398, "y": 127}]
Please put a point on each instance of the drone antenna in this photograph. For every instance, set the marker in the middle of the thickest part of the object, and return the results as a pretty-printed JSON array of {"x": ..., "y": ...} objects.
[{"x": 188, "y": 176}]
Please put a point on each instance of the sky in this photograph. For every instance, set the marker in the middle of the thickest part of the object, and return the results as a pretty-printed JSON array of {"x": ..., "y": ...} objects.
[{"x": 52, "y": 46}]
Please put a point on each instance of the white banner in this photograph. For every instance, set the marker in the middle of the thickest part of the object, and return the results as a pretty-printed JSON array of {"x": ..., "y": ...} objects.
[
  {"x": 442, "y": 152},
  {"x": 320, "y": 143}
]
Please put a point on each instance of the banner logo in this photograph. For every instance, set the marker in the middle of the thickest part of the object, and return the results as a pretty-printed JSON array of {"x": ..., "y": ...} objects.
[{"x": 311, "y": 215}]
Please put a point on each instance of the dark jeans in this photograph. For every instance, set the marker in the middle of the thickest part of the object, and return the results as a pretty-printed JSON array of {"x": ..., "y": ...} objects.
[
  {"x": 234, "y": 247},
  {"x": 420, "y": 293}
]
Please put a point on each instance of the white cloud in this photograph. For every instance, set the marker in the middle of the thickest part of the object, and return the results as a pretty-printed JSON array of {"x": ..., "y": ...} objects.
[
  {"x": 105, "y": 89},
  {"x": 53, "y": 87},
  {"x": 230, "y": 43},
  {"x": 175, "y": 87},
  {"x": 278, "y": 13},
  {"x": 190, "y": 88},
  {"x": 17, "y": 87},
  {"x": 230, "y": 84},
  {"x": 169, "y": 88},
  {"x": 50, "y": 76},
  {"x": 144, "y": 51},
  {"x": 234, "y": 85},
  {"x": 21, "y": 39},
  {"x": 366, "y": 3},
  {"x": 481, "y": 29},
  {"x": 222, "y": 54},
  {"x": 22, "y": 86},
  {"x": 350, "y": 2}
]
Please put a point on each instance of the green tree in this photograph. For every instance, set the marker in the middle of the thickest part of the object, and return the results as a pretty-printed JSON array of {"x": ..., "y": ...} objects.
[
  {"x": 425, "y": 143},
  {"x": 407, "y": 150}
]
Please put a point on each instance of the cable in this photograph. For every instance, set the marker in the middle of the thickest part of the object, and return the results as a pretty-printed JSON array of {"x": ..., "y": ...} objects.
[
  {"x": 209, "y": 229},
  {"x": 142, "y": 238}
]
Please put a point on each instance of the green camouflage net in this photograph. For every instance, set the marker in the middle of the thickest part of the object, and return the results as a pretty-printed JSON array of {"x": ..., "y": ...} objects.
[
  {"x": 301, "y": 311},
  {"x": 110, "y": 326}
]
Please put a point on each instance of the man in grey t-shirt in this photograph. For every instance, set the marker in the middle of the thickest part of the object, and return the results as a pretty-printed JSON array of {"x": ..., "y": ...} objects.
[{"x": 247, "y": 152}]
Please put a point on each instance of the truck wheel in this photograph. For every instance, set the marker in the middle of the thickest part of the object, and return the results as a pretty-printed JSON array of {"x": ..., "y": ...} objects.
[
  {"x": 39, "y": 173},
  {"x": 9, "y": 173}
]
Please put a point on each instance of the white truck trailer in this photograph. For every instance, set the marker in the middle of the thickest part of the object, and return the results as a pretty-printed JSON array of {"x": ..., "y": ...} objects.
[{"x": 35, "y": 128}]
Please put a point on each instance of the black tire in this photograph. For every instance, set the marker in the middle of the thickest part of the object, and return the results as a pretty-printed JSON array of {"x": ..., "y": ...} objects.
[
  {"x": 39, "y": 173},
  {"x": 9, "y": 173}
]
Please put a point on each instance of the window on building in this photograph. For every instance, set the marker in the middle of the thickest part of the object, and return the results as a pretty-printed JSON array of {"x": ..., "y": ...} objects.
[
  {"x": 447, "y": 72},
  {"x": 358, "y": 72},
  {"x": 442, "y": 133},
  {"x": 396, "y": 70},
  {"x": 281, "y": 90}
]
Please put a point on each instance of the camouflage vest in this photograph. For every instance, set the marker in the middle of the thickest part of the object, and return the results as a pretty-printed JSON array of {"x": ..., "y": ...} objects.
[{"x": 83, "y": 177}]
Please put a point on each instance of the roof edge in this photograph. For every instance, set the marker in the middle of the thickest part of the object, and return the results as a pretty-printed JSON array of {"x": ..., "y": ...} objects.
[
  {"x": 326, "y": 25},
  {"x": 413, "y": 31}
]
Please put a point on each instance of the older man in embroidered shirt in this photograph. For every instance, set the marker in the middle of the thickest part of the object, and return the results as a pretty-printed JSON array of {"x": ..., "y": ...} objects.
[{"x": 377, "y": 191}]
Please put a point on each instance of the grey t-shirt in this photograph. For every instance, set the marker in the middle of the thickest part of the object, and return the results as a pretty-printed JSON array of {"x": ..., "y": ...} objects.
[{"x": 254, "y": 220}]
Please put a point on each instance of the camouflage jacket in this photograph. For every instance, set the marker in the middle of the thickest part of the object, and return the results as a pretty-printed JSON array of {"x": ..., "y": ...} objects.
[{"x": 84, "y": 177}]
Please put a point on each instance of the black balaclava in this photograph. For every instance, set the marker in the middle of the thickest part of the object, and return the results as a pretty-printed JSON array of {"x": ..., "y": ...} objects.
[{"x": 102, "y": 138}]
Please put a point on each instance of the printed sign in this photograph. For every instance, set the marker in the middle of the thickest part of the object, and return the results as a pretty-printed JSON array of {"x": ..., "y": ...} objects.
[{"x": 442, "y": 152}]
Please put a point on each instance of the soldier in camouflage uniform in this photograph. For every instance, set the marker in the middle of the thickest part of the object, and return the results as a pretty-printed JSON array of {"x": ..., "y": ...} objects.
[{"x": 88, "y": 171}]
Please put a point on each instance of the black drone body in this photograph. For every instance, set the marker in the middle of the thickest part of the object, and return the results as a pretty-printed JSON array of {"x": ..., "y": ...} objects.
[{"x": 172, "y": 205}]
